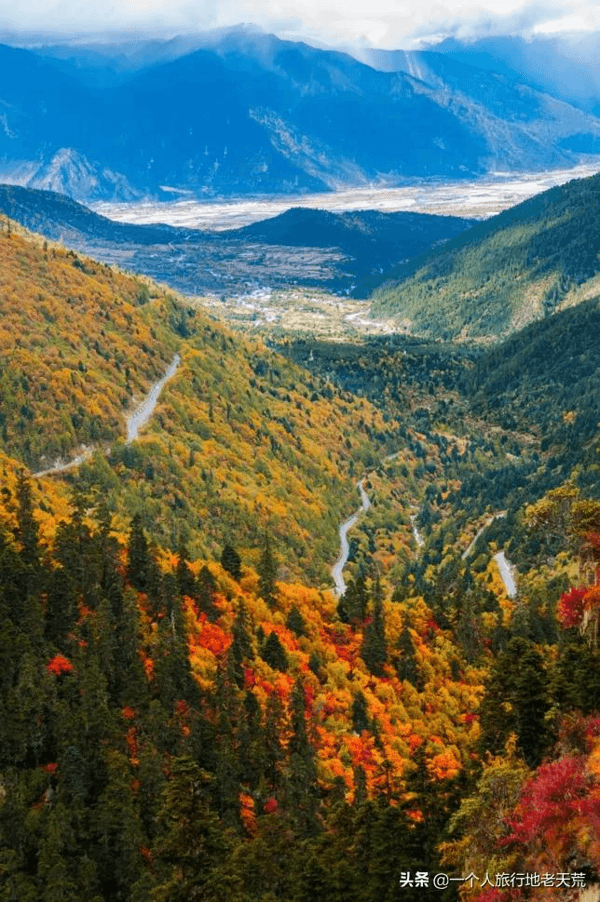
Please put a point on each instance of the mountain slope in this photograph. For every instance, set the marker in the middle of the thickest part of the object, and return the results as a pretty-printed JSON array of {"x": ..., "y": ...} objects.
[
  {"x": 552, "y": 368},
  {"x": 248, "y": 112},
  {"x": 564, "y": 65},
  {"x": 519, "y": 266},
  {"x": 241, "y": 441}
]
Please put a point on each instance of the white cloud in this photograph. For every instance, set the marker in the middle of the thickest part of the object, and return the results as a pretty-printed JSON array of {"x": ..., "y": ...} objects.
[
  {"x": 383, "y": 23},
  {"x": 584, "y": 20}
]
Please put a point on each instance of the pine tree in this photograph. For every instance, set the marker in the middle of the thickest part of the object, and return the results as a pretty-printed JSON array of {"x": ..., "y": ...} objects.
[
  {"x": 274, "y": 653},
  {"x": 352, "y": 606},
  {"x": 206, "y": 589},
  {"x": 107, "y": 551},
  {"x": 274, "y": 752},
  {"x": 27, "y": 527},
  {"x": 186, "y": 584},
  {"x": 250, "y": 741},
  {"x": 516, "y": 701},
  {"x": 73, "y": 548},
  {"x": 192, "y": 849},
  {"x": 116, "y": 829},
  {"x": 302, "y": 788},
  {"x": 295, "y": 622},
  {"x": 360, "y": 713},
  {"x": 241, "y": 644},
  {"x": 56, "y": 882},
  {"x": 60, "y": 616},
  {"x": 373, "y": 649},
  {"x": 468, "y": 627},
  {"x": 138, "y": 557},
  {"x": 406, "y": 663},
  {"x": 231, "y": 562},
  {"x": 267, "y": 572}
]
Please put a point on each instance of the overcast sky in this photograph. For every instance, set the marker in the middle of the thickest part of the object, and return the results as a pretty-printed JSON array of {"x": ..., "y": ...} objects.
[{"x": 380, "y": 23}]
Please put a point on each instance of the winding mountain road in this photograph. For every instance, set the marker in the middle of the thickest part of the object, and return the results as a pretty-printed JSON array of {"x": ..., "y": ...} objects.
[
  {"x": 506, "y": 569},
  {"x": 136, "y": 421},
  {"x": 507, "y": 573},
  {"x": 142, "y": 414},
  {"x": 480, "y": 531},
  {"x": 338, "y": 568}
]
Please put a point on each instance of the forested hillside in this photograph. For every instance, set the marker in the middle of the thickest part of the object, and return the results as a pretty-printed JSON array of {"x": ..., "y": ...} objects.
[
  {"x": 187, "y": 710},
  {"x": 242, "y": 442},
  {"x": 522, "y": 265}
]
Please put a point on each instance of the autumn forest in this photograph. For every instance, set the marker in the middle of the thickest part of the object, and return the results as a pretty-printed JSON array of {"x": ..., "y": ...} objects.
[{"x": 188, "y": 709}]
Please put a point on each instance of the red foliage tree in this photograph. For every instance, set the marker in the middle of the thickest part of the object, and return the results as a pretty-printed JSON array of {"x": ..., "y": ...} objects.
[
  {"x": 58, "y": 665},
  {"x": 571, "y": 607}
]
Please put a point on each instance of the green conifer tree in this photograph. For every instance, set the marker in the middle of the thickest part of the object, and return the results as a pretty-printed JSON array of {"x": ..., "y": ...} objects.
[
  {"x": 231, "y": 561},
  {"x": 206, "y": 589},
  {"x": 302, "y": 788},
  {"x": 192, "y": 849},
  {"x": 267, "y": 572},
  {"x": 373, "y": 649},
  {"x": 274, "y": 653},
  {"x": 295, "y": 622}
]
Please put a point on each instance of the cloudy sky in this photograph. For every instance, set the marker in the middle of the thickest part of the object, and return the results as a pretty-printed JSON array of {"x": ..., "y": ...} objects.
[{"x": 381, "y": 23}]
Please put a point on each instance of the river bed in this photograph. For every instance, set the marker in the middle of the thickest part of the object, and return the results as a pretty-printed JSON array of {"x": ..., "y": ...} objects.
[{"x": 480, "y": 199}]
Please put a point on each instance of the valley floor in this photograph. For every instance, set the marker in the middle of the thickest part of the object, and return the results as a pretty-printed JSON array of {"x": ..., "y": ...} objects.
[{"x": 480, "y": 199}]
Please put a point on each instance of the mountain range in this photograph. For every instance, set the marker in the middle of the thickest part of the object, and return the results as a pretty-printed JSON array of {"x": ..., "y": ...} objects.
[
  {"x": 246, "y": 112},
  {"x": 564, "y": 65},
  {"x": 344, "y": 252},
  {"x": 187, "y": 709}
]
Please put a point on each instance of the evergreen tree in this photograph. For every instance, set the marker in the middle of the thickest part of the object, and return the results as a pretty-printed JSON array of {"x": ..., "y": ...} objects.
[
  {"x": 352, "y": 606},
  {"x": 295, "y": 622},
  {"x": 173, "y": 678},
  {"x": 206, "y": 593},
  {"x": 139, "y": 561},
  {"x": 360, "y": 786},
  {"x": 516, "y": 701},
  {"x": 116, "y": 834},
  {"x": 373, "y": 649},
  {"x": 274, "y": 653},
  {"x": 229, "y": 715},
  {"x": 13, "y": 584},
  {"x": 130, "y": 677},
  {"x": 241, "y": 644},
  {"x": 250, "y": 741},
  {"x": 60, "y": 616},
  {"x": 73, "y": 547},
  {"x": 468, "y": 627},
  {"x": 267, "y": 572},
  {"x": 57, "y": 884},
  {"x": 360, "y": 713},
  {"x": 302, "y": 788},
  {"x": 406, "y": 663},
  {"x": 186, "y": 584},
  {"x": 107, "y": 551},
  {"x": 231, "y": 562},
  {"x": 27, "y": 527},
  {"x": 192, "y": 850},
  {"x": 274, "y": 752},
  {"x": 315, "y": 664}
]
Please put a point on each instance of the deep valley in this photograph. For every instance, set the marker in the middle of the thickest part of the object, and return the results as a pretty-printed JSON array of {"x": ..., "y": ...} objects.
[{"x": 299, "y": 513}]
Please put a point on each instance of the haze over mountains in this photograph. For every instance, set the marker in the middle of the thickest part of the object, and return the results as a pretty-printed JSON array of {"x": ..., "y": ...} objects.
[
  {"x": 249, "y": 113},
  {"x": 564, "y": 65}
]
